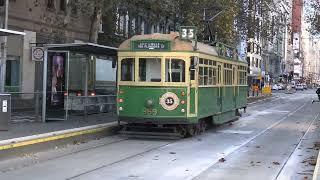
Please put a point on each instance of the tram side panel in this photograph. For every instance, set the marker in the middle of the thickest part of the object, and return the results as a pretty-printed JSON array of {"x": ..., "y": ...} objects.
[
  {"x": 209, "y": 102},
  {"x": 242, "y": 97}
]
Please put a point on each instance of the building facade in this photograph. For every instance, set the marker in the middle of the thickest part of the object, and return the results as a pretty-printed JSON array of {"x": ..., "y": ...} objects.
[
  {"x": 297, "y": 10},
  {"x": 43, "y": 22}
]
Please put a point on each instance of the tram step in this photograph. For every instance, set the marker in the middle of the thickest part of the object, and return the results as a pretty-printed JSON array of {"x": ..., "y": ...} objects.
[{"x": 151, "y": 135}]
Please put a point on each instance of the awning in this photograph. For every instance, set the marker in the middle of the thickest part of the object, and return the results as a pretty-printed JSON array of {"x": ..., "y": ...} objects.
[
  {"x": 7, "y": 32},
  {"x": 87, "y": 48}
]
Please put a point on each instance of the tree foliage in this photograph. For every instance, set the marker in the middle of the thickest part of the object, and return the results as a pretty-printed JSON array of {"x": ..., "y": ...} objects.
[
  {"x": 312, "y": 16},
  {"x": 235, "y": 18}
]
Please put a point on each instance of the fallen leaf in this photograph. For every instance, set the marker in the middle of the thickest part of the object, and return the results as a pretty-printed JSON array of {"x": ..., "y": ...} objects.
[
  {"x": 258, "y": 147},
  {"x": 258, "y": 162},
  {"x": 173, "y": 153},
  {"x": 276, "y": 163},
  {"x": 313, "y": 162},
  {"x": 222, "y": 160}
]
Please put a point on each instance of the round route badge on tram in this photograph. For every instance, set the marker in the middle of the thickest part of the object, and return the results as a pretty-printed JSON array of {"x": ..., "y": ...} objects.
[{"x": 169, "y": 101}]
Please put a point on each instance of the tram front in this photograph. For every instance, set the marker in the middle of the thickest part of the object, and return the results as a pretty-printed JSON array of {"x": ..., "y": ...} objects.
[{"x": 153, "y": 82}]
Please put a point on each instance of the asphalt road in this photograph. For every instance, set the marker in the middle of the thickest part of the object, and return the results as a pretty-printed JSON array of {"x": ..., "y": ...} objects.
[{"x": 276, "y": 139}]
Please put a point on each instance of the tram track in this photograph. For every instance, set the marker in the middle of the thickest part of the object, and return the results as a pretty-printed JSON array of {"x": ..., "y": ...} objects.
[
  {"x": 297, "y": 146},
  {"x": 229, "y": 153}
]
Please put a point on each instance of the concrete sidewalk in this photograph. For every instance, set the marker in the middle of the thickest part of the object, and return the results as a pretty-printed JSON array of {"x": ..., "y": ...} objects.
[
  {"x": 22, "y": 129},
  {"x": 316, "y": 173},
  {"x": 23, "y": 134},
  {"x": 253, "y": 99}
]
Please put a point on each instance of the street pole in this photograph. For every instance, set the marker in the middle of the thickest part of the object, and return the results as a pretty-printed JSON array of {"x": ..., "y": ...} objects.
[{"x": 4, "y": 50}]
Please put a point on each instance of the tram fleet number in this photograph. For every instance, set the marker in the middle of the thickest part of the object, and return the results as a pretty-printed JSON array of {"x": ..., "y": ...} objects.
[{"x": 151, "y": 112}]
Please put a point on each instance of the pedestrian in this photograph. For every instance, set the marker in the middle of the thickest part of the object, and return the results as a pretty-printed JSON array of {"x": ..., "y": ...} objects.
[{"x": 318, "y": 93}]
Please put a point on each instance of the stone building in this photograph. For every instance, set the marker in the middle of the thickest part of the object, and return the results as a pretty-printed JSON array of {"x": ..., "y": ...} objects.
[{"x": 43, "y": 21}]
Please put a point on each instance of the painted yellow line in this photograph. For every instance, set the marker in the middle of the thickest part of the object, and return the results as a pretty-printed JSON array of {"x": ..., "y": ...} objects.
[{"x": 51, "y": 138}]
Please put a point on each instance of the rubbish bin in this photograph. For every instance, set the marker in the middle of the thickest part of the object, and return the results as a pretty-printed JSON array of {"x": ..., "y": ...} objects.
[{"x": 5, "y": 111}]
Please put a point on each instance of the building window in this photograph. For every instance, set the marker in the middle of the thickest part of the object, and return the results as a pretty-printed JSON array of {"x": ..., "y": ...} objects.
[
  {"x": 50, "y": 4},
  {"x": 12, "y": 74}
]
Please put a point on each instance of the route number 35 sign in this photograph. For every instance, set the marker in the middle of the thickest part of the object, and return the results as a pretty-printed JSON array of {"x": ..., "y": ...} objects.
[{"x": 188, "y": 32}]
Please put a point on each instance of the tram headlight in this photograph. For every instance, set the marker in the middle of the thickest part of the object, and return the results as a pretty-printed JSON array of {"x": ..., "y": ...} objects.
[
  {"x": 120, "y": 108},
  {"x": 120, "y": 100},
  {"x": 183, "y": 93},
  {"x": 183, "y": 110},
  {"x": 183, "y": 102}
]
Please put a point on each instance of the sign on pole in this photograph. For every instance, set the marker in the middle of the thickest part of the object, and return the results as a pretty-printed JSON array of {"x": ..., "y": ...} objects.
[
  {"x": 188, "y": 32},
  {"x": 37, "y": 53}
]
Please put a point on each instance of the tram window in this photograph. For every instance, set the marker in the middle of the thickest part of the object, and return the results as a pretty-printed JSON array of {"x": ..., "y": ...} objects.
[
  {"x": 214, "y": 76},
  {"x": 127, "y": 69},
  {"x": 150, "y": 69},
  {"x": 205, "y": 76},
  {"x": 210, "y": 77},
  {"x": 219, "y": 74},
  {"x": 175, "y": 70},
  {"x": 201, "y": 61},
  {"x": 201, "y": 78}
]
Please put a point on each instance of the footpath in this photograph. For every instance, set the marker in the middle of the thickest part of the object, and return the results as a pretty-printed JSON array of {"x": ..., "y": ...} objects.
[{"x": 34, "y": 136}]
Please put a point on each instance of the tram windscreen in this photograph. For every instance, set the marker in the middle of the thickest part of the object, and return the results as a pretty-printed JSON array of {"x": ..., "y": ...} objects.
[
  {"x": 175, "y": 70},
  {"x": 149, "y": 69},
  {"x": 127, "y": 69}
]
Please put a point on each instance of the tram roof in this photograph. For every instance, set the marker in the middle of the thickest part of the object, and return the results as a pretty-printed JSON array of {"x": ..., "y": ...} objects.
[
  {"x": 88, "y": 48},
  {"x": 176, "y": 43}
]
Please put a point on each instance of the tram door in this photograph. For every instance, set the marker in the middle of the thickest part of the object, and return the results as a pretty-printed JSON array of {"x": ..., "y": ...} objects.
[
  {"x": 56, "y": 85},
  {"x": 220, "y": 87}
]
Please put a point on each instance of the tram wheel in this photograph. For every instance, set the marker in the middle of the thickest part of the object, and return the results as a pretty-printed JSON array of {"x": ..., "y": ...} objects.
[
  {"x": 203, "y": 126},
  {"x": 192, "y": 129},
  {"x": 182, "y": 130}
]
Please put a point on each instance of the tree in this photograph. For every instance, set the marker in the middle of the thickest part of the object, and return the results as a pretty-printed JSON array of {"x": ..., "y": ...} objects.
[{"x": 313, "y": 16}]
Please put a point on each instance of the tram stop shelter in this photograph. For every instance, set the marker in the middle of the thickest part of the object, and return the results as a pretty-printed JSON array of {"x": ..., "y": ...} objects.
[{"x": 79, "y": 79}]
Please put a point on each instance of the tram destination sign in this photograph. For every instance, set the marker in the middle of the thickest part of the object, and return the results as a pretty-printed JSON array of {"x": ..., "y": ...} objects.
[{"x": 150, "y": 45}]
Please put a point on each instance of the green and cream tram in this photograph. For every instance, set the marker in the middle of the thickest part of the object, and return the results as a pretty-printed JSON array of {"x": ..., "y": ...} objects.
[{"x": 163, "y": 82}]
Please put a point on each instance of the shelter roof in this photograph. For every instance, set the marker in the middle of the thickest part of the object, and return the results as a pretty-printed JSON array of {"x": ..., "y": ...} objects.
[
  {"x": 7, "y": 32},
  {"x": 87, "y": 48}
]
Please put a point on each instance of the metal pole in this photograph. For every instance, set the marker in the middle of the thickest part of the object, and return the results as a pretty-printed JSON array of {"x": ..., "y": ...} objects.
[
  {"x": 4, "y": 48},
  {"x": 67, "y": 86},
  {"x": 44, "y": 85},
  {"x": 86, "y": 86}
]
